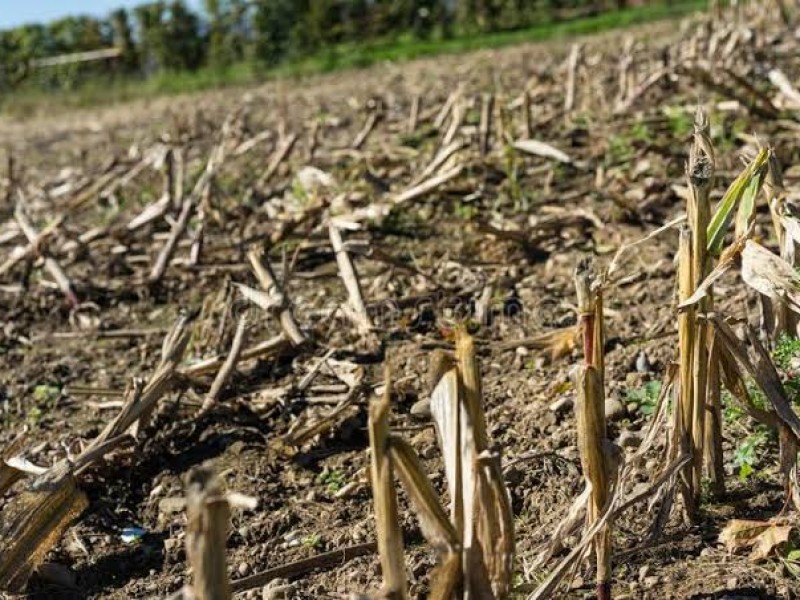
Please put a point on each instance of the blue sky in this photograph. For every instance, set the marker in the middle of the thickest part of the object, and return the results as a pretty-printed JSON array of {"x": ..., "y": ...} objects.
[{"x": 18, "y": 12}]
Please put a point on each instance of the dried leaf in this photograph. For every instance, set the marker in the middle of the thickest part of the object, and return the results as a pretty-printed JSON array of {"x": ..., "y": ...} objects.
[
  {"x": 770, "y": 275},
  {"x": 763, "y": 537},
  {"x": 390, "y": 537},
  {"x": 436, "y": 527},
  {"x": 34, "y": 521},
  {"x": 542, "y": 149}
]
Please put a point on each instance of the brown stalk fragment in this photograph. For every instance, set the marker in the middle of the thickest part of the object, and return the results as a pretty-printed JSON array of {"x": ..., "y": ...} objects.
[
  {"x": 700, "y": 173},
  {"x": 269, "y": 283},
  {"x": 34, "y": 521},
  {"x": 33, "y": 248},
  {"x": 141, "y": 400},
  {"x": 390, "y": 537},
  {"x": 332, "y": 559},
  {"x": 227, "y": 368},
  {"x": 8, "y": 474},
  {"x": 281, "y": 153},
  {"x": 188, "y": 206},
  {"x": 50, "y": 264},
  {"x": 271, "y": 347},
  {"x": 428, "y": 185},
  {"x": 434, "y": 523},
  {"x": 208, "y": 519},
  {"x": 487, "y": 107},
  {"x": 369, "y": 125},
  {"x": 686, "y": 334},
  {"x": 413, "y": 116},
  {"x": 356, "y": 310},
  {"x": 527, "y": 115},
  {"x": 492, "y": 519},
  {"x": 758, "y": 363},
  {"x": 572, "y": 69},
  {"x": 591, "y": 437}
]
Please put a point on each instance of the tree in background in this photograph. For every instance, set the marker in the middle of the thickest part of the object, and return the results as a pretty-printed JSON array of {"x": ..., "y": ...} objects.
[
  {"x": 227, "y": 33},
  {"x": 274, "y": 23},
  {"x": 123, "y": 38},
  {"x": 150, "y": 25},
  {"x": 168, "y": 35},
  {"x": 185, "y": 47}
]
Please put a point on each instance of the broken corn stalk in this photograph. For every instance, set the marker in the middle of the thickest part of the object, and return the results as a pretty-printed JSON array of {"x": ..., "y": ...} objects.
[
  {"x": 34, "y": 521},
  {"x": 593, "y": 444},
  {"x": 476, "y": 541}
]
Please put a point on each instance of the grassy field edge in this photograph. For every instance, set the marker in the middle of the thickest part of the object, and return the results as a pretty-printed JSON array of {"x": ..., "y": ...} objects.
[{"x": 28, "y": 101}]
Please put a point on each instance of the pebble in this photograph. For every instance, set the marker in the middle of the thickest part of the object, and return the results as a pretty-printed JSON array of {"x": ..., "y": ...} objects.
[
  {"x": 644, "y": 571},
  {"x": 562, "y": 405},
  {"x": 347, "y": 489},
  {"x": 614, "y": 409},
  {"x": 630, "y": 439},
  {"x": 421, "y": 409},
  {"x": 632, "y": 407},
  {"x": 643, "y": 363},
  {"x": 171, "y": 505},
  {"x": 651, "y": 582},
  {"x": 243, "y": 569}
]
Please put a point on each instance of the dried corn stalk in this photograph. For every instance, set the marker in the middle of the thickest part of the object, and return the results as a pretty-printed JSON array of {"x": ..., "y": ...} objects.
[
  {"x": 34, "y": 521},
  {"x": 700, "y": 172},
  {"x": 208, "y": 514},
  {"x": 390, "y": 537},
  {"x": 757, "y": 362},
  {"x": 593, "y": 445},
  {"x": 476, "y": 543},
  {"x": 8, "y": 474}
]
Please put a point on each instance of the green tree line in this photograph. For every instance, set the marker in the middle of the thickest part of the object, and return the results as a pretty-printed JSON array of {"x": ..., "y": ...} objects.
[{"x": 170, "y": 36}]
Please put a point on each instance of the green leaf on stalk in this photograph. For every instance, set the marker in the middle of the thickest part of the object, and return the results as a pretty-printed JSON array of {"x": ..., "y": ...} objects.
[{"x": 723, "y": 215}]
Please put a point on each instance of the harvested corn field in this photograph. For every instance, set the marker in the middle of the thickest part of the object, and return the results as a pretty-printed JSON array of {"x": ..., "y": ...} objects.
[{"x": 511, "y": 324}]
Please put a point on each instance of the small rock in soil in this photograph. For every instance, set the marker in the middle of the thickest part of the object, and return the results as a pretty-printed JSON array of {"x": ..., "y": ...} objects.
[
  {"x": 615, "y": 410},
  {"x": 643, "y": 363},
  {"x": 562, "y": 405},
  {"x": 243, "y": 569},
  {"x": 651, "y": 582},
  {"x": 630, "y": 439},
  {"x": 421, "y": 409}
]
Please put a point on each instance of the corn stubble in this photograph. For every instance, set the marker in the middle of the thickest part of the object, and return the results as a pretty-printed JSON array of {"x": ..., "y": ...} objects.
[
  {"x": 475, "y": 542},
  {"x": 596, "y": 451},
  {"x": 35, "y": 519}
]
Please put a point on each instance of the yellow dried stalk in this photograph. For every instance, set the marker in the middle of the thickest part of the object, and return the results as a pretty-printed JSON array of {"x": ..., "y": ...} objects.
[
  {"x": 700, "y": 173},
  {"x": 34, "y": 521},
  {"x": 492, "y": 517},
  {"x": 591, "y": 436},
  {"x": 686, "y": 336},
  {"x": 390, "y": 537},
  {"x": 713, "y": 457},
  {"x": 590, "y": 412},
  {"x": 208, "y": 514},
  {"x": 435, "y": 525}
]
